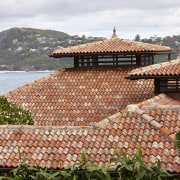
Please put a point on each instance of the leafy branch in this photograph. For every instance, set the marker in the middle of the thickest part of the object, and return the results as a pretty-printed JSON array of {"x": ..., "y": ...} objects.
[{"x": 12, "y": 114}]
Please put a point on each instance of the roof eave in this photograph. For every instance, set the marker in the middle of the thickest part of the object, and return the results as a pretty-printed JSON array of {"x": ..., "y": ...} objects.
[
  {"x": 58, "y": 55},
  {"x": 151, "y": 77}
]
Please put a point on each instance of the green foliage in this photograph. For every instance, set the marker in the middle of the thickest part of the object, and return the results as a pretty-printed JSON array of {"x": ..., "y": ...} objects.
[
  {"x": 135, "y": 169},
  {"x": 177, "y": 137},
  {"x": 12, "y": 114},
  {"x": 127, "y": 169},
  {"x": 137, "y": 38},
  {"x": 28, "y": 49}
]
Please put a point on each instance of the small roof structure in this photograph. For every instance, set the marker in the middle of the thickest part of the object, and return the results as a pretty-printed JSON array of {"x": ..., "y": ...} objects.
[
  {"x": 114, "y": 52},
  {"x": 170, "y": 69},
  {"x": 114, "y": 45}
]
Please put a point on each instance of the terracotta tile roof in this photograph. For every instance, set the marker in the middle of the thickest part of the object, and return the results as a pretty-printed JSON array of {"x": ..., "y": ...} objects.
[
  {"x": 114, "y": 45},
  {"x": 170, "y": 68},
  {"x": 163, "y": 110},
  {"x": 91, "y": 100},
  {"x": 80, "y": 97},
  {"x": 59, "y": 147}
]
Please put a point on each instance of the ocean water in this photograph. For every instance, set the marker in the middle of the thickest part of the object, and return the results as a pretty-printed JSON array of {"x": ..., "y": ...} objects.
[{"x": 10, "y": 80}]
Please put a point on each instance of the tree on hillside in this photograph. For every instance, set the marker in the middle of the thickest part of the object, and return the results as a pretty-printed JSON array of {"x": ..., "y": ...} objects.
[{"x": 137, "y": 38}]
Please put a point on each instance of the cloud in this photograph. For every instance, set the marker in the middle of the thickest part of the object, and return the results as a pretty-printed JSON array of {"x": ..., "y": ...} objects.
[{"x": 95, "y": 17}]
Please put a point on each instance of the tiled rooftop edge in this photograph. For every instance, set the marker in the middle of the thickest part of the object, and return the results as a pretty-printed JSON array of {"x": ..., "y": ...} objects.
[
  {"x": 157, "y": 98},
  {"x": 151, "y": 100},
  {"x": 137, "y": 109},
  {"x": 107, "y": 120},
  {"x": 154, "y": 66},
  {"x": 153, "y": 122},
  {"x": 141, "y": 45},
  {"x": 134, "y": 108},
  {"x": 33, "y": 83},
  {"x": 99, "y": 124},
  {"x": 129, "y": 109},
  {"x": 31, "y": 127}
]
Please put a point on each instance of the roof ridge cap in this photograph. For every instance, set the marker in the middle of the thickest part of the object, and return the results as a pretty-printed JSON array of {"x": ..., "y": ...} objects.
[
  {"x": 136, "y": 108},
  {"x": 107, "y": 120},
  {"x": 151, "y": 100},
  {"x": 36, "y": 127},
  {"x": 158, "y": 126},
  {"x": 149, "y": 119}
]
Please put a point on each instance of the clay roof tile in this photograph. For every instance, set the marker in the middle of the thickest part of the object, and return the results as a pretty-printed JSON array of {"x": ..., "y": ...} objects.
[
  {"x": 114, "y": 45},
  {"x": 170, "y": 68}
]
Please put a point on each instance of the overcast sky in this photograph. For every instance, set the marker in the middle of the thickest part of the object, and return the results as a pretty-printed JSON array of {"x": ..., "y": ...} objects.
[{"x": 94, "y": 17}]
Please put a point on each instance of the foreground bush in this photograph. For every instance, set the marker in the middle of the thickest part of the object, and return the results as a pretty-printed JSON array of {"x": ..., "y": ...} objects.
[
  {"x": 177, "y": 137},
  {"x": 126, "y": 169},
  {"x": 12, "y": 114}
]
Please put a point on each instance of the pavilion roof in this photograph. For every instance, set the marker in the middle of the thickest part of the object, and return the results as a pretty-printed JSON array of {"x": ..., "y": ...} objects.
[
  {"x": 166, "y": 69},
  {"x": 113, "y": 45}
]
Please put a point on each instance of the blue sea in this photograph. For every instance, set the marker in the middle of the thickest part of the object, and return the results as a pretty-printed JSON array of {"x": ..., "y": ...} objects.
[{"x": 10, "y": 80}]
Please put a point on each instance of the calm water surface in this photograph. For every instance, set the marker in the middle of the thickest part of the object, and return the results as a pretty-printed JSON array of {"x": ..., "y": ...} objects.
[{"x": 10, "y": 80}]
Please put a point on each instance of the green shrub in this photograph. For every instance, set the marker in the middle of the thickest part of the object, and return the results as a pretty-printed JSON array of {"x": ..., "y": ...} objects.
[
  {"x": 12, "y": 114},
  {"x": 135, "y": 169},
  {"x": 177, "y": 137},
  {"x": 127, "y": 169}
]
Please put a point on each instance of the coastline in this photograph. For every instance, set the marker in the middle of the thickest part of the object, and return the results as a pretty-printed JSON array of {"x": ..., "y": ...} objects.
[
  {"x": 28, "y": 71},
  {"x": 10, "y": 80}
]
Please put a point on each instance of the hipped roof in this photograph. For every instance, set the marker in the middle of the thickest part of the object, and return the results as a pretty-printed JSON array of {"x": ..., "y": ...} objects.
[
  {"x": 111, "y": 46},
  {"x": 80, "y": 96},
  {"x": 170, "y": 69},
  {"x": 58, "y": 146},
  {"x": 151, "y": 123}
]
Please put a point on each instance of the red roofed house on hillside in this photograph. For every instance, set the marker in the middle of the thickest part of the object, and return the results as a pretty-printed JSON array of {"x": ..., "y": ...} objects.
[{"x": 93, "y": 107}]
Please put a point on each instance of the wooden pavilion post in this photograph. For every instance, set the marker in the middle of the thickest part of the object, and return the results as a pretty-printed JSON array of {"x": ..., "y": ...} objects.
[
  {"x": 138, "y": 60},
  {"x": 169, "y": 57},
  {"x": 76, "y": 61}
]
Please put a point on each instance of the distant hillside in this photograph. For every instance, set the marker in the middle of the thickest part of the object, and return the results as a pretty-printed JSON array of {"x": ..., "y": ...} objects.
[
  {"x": 28, "y": 49},
  {"x": 170, "y": 41}
]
